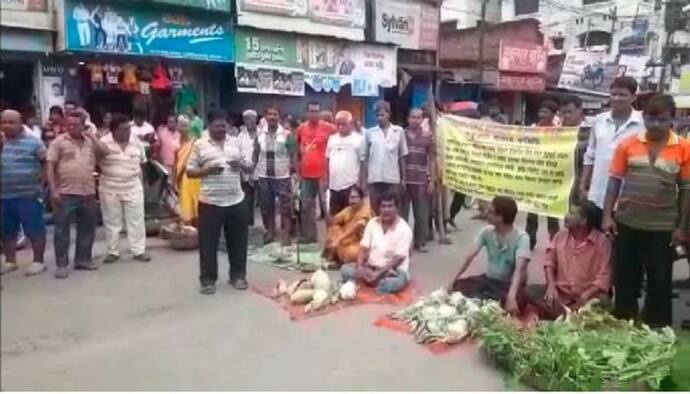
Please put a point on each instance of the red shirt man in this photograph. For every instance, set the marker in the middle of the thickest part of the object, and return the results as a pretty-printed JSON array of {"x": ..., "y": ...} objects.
[{"x": 312, "y": 137}]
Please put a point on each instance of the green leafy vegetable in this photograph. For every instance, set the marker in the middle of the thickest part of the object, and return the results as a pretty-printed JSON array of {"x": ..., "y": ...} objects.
[{"x": 587, "y": 350}]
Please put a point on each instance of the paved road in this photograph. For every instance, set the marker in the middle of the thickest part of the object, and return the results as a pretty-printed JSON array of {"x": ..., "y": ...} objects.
[{"x": 134, "y": 326}]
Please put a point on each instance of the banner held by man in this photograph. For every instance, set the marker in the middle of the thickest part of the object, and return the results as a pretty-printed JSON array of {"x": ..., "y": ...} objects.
[{"x": 533, "y": 165}]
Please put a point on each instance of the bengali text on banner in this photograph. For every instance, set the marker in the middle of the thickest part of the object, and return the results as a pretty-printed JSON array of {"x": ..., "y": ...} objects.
[{"x": 533, "y": 165}]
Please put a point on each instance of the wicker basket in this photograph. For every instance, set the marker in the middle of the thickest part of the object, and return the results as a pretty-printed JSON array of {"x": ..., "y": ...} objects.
[{"x": 180, "y": 241}]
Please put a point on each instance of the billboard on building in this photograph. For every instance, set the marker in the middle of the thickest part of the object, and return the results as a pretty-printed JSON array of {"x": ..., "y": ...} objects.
[
  {"x": 325, "y": 65},
  {"x": 95, "y": 27},
  {"x": 590, "y": 72},
  {"x": 343, "y": 19}
]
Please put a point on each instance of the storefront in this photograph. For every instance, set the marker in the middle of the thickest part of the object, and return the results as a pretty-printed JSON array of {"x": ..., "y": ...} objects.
[
  {"x": 334, "y": 72},
  {"x": 26, "y": 35},
  {"x": 121, "y": 56},
  {"x": 413, "y": 27}
]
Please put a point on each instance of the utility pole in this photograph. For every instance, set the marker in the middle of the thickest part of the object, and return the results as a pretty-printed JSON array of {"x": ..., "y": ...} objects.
[
  {"x": 482, "y": 33},
  {"x": 614, "y": 19}
]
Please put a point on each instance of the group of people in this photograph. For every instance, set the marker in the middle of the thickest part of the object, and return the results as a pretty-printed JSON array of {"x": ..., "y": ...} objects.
[
  {"x": 629, "y": 206},
  {"x": 629, "y": 211},
  {"x": 68, "y": 165}
]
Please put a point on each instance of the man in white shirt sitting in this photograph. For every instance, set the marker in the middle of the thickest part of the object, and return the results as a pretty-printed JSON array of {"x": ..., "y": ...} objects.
[{"x": 384, "y": 254}]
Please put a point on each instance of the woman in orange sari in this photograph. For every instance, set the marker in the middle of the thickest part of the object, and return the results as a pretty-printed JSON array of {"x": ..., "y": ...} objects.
[
  {"x": 188, "y": 189},
  {"x": 346, "y": 228}
]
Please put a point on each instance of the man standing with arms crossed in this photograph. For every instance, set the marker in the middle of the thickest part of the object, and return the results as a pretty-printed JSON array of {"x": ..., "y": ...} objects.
[
  {"x": 386, "y": 148},
  {"x": 608, "y": 130},
  {"x": 312, "y": 137}
]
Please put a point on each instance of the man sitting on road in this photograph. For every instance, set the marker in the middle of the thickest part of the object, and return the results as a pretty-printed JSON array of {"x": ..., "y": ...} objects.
[
  {"x": 577, "y": 267},
  {"x": 508, "y": 253},
  {"x": 384, "y": 254}
]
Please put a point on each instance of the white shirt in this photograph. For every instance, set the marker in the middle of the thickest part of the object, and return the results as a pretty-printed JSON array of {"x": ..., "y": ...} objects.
[
  {"x": 397, "y": 241},
  {"x": 34, "y": 131},
  {"x": 603, "y": 141},
  {"x": 121, "y": 172},
  {"x": 141, "y": 131},
  {"x": 344, "y": 155},
  {"x": 384, "y": 153}
]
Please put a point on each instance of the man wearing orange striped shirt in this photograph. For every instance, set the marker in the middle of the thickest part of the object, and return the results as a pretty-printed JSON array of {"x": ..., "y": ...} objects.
[{"x": 649, "y": 185}]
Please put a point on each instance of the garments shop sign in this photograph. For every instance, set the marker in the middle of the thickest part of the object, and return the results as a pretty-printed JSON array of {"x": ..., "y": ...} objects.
[
  {"x": 407, "y": 24},
  {"x": 279, "y": 63},
  {"x": 339, "y": 18},
  {"x": 94, "y": 27}
]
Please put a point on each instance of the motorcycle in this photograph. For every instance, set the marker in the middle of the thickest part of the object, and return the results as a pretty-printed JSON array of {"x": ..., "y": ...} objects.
[{"x": 594, "y": 73}]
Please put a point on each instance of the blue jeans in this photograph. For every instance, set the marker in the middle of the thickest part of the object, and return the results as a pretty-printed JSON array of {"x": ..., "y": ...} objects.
[{"x": 389, "y": 284}]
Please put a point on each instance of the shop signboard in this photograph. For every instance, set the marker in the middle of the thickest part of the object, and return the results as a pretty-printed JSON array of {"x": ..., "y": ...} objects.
[
  {"x": 211, "y": 5},
  {"x": 93, "y": 27},
  {"x": 398, "y": 22},
  {"x": 522, "y": 57},
  {"x": 24, "y": 5},
  {"x": 521, "y": 82},
  {"x": 589, "y": 72},
  {"x": 293, "y": 60},
  {"x": 410, "y": 25},
  {"x": 343, "y": 19}
]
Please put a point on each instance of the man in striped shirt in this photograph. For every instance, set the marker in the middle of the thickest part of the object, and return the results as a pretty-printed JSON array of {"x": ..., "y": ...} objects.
[
  {"x": 219, "y": 159},
  {"x": 275, "y": 155},
  {"x": 649, "y": 184},
  {"x": 21, "y": 173}
]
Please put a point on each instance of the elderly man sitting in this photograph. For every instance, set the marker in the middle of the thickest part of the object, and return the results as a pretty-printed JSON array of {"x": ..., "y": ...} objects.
[{"x": 384, "y": 254}]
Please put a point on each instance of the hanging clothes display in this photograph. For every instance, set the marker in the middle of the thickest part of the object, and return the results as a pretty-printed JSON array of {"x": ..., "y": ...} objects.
[
  {"x": 130, "y": 82},
  {"x": 112, "y": 74},
  {"x": 176, "y": 77},
  {"x": 96, "y": 75},
  {"x": 186, "y": 97},
  {"x": 160, "y": 78}
]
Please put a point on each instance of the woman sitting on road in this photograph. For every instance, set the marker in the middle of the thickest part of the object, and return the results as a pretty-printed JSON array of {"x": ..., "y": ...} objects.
[
  {"x": 188, "y": 189},
  {"x": 346, "y": 228}
]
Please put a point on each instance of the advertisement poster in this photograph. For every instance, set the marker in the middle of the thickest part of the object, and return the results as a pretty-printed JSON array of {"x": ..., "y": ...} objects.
[
  {"x": 53, "y": 86},
  {"x": 24, "y": 5},
  {"x": 534, "y": 166},
  {"x": 94, "y": 27},
  {"x": 350, "y": 13},
  {"x": 632, "y": 66},
  {"x": 211, "y": 5},
  {"x": 326, "y": 65},
  {"x": 634, "y": 43},
  {"x": 340, "y": 18},
  {"x": 398, "y": 23},
  {"x": 292, "y": 8},
  {"x": 591, "y": 72}
]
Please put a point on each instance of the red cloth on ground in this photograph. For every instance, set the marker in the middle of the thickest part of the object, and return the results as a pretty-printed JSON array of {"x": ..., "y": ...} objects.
[{"x": 365, "y": 295}]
